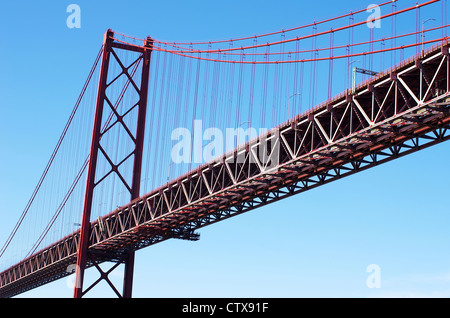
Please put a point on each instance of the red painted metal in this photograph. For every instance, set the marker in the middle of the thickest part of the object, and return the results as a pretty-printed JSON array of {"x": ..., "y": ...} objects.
[
  {"x": 85, "y": 223},
  {"x": 137, "y": 165}
]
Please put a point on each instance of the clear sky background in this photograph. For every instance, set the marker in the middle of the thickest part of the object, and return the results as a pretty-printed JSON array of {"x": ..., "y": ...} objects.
[{"x": 316, "y": 244}]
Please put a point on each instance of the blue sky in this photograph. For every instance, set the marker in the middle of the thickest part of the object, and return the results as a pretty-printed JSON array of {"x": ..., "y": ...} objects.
[{"x": 316, "y": 244}]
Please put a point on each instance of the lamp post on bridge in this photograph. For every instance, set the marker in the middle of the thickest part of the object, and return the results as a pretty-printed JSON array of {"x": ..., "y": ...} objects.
[
  {"x": 289, "y": 99},
  {"x": 423, "y": 34},
  {"x": 239, "y": 131},
  {"x": 127, "y": 257},
  {"x": 349, "y": 66}
]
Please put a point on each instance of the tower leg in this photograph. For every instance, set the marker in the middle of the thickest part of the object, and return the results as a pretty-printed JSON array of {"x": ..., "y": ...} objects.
[
  {"x": 86, "y": 223},
  {"x": 128, "y": 275}
]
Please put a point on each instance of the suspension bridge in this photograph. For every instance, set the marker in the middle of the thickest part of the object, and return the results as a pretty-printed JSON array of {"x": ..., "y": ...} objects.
[{"x": 155, "y": 147}]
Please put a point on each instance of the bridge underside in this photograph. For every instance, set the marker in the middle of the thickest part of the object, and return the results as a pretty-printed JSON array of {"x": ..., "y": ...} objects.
[{"x": 395, "y": 113}]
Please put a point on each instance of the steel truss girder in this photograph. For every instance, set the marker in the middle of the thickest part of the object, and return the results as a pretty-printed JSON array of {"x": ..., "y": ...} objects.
[{"x": 397, "y": 112}]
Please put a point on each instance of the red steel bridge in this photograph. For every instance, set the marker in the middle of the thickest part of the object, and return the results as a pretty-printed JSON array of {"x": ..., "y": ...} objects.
[{"x": 105, "y": 194}]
